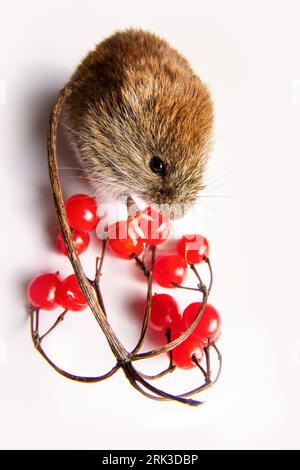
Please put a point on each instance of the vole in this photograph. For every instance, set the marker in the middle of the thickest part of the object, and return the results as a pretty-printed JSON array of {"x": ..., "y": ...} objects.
[{"x": 141, "y": 120}]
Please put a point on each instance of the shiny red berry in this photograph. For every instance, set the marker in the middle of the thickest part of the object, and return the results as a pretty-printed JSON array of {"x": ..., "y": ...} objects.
[
  {"x": 209, "y": 325},
  {"x": 169, "y": 270},
  {"x": 184, "y": 353},
  {"x": 42, "y": 291},
  {"x": 81, "y": 240},
  {"x": 69, "y": 295},
  {"x": 122, "y": 241},
  {"x": 153, "y": 227},
  {"x": 164, "y": 312},
  {"x": 82, "y": 212},
  {"x": 193, "y": 248}
]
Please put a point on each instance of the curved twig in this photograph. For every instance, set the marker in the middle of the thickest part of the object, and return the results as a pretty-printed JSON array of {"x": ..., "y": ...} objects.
[
  {"x": 161, "y": 374},
  {"x": 208, "y": 382},
  {"x": 88, "y": 290},
  {"x": 148, "y": 305},
  {"x": 96, "y": 281},
  {"x": 37, "y": 343},
  {"x": 59, "y": 319},
  {"x": 172, "y": 344},
  {"x": 134, "y": 375},
  {"x": 220, "y": 359},
  {"x": 177, "y": 341}
]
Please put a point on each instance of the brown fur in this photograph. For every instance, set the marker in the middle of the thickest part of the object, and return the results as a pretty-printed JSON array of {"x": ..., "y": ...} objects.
[{"x": 134, "y": 97}]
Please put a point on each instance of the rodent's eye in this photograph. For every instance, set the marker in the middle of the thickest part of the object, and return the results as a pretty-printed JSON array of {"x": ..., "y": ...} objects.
[{"x": 157, "y": 166}]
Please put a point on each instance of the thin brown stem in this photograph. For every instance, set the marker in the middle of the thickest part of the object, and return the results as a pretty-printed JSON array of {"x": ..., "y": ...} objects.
[
  {"x": 37, "y": 343},
  {"x": 207, "y": 385},
  {"x": 168, "y": 336},
  {"x": 59, "y": 319},
  {"x": 166, "y": 371},
  {"x": 171, "y": 367},
  {"x": 131, "y": 372},
  {"x": 145, "y": 252},
  {"x": 197, "y": 390},
  {"x": 135, "y": 384},
  {"x": 183, "y": 336},
  {"x": 100, "y": 260},
  {"x": 179, "y": 286},
  {"x": 148, "y": 307},
  {"x": 207, "y": 357},
  {"x": 220, "y": 359},
  {"x": 195, "y": 360},
  {"x": 96, "y": 281},
  {"x": 34, "y": 322},
  {"x": 177, "y": 341},
  {"x": 146, "y": 318},
  {"x": 87, "y": 289},
  {"x": 141, "y": 264},
  {"x": 201, "y": 285}
]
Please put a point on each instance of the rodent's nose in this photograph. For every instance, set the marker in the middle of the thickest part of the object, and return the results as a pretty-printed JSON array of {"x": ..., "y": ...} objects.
[
  {"x": 171, "y": 204},
  {"x": 167, "y": 193}
]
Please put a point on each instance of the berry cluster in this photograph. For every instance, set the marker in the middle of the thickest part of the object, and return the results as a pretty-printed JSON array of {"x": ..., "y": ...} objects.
[
  {"x": 47, "y": 291},
  {"x": 82, "y": 216},
  {"x": 129, "y": 239},
  {"x": 165, "y": 316},
  {"x": 126, "y": 239}
]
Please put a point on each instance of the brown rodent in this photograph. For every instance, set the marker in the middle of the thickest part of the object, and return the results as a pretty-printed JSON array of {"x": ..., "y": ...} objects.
[{"x": 141, "y": 120}]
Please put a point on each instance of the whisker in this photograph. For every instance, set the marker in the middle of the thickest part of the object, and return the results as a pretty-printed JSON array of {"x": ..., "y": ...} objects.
[
  {"x": 101, "y": 184},
  {"x": 219, "y": 175},
  {"x": 211, "y": 208},
  {"x": 227, "y": 184},
  {"x": 70, "y": 168},
  {"x": 66, "y": 126},
  {"x": 217, "y": 180},
  {"x": 74, "y": 177},
  {"x": 221, "y": 196}
]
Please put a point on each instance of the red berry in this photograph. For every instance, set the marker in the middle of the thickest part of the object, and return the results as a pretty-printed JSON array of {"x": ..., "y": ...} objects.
[
  {"x": 81, "y": 240},
  {"x": 184, "y": 353},
  {"x": 82, "y": 212},
  {"x": 169, "y": 270},
  {"x": 70, "y": 295},
  {"x": 122, "y": 241},
  {"x": 193, "y": 248},
  {"x": 153, "y": 227},
  {"x": 164, "y": 312},
  {"x": 42, "y": 291},
  {"x": 209, "y": 325}
]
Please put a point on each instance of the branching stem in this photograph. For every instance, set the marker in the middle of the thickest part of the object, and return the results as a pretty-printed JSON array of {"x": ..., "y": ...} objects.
[{"x": 125, "y": 360}]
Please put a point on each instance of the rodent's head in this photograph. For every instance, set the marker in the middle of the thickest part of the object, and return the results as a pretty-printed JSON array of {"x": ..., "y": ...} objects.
[{"x": 151, "y": 138}]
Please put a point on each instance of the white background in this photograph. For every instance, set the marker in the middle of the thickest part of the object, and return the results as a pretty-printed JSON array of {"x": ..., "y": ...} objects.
[{"x": 248, "y": 52}]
